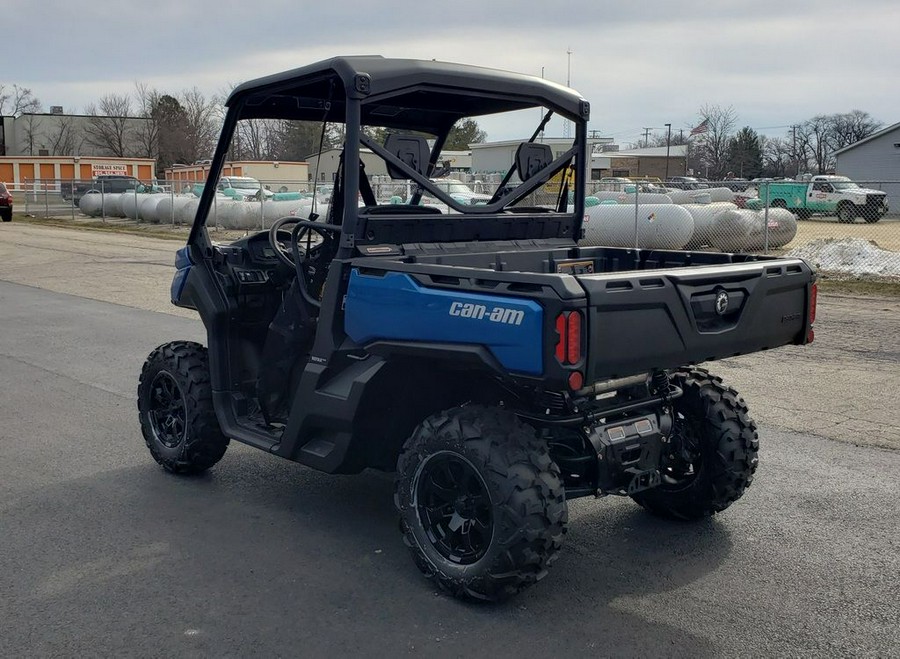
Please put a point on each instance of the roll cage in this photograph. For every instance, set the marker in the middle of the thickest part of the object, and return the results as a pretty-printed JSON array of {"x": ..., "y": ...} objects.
[{"x": 417, "y": 97}]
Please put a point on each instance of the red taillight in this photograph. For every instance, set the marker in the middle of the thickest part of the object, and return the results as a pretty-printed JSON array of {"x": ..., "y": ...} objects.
[
  {"x": 568, "y": 345},
  {"x": 561, "y": 342},
  {"x": 576, "y": 381},
  {"x": 813, "y": 296},
  {"x": 573, "y": 338}
]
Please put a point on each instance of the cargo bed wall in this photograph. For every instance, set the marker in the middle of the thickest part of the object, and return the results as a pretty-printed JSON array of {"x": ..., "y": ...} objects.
[{"x": 641, "y": 321}]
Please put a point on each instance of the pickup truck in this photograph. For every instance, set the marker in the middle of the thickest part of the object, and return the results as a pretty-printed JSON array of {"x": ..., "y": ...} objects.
[
  {"x": 831, "y": 195},
  {"x": 106, "y": 183},
  {"x": 499, "y": 368}
]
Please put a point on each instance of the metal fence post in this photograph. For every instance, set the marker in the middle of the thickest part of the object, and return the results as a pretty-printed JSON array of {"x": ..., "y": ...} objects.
[
  {"x": 766, "y": 220},
  {"x": 636, "y": 238},
  {"x": 262, "y": 212},
  {"x": 102, "y": 203}
]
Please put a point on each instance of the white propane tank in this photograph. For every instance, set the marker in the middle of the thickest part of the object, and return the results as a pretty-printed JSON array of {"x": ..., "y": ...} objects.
[
  {"x": 148, "y": 206},
  {"x": 745, "y": 230},
  {"x": 628, "y": 198},
  {"x": 91, "y": 204},
  {"x": 705, "y": 221},
  {"x": 130, "y": 203},
  {"x": 659, "y": 226}
]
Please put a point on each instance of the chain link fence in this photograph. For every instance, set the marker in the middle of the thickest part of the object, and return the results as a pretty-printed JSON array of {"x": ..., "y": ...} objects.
[{"x": 846, "y": 229}]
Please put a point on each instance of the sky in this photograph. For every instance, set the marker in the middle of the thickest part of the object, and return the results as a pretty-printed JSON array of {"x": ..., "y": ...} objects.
[{"x": 640, "y": 64}]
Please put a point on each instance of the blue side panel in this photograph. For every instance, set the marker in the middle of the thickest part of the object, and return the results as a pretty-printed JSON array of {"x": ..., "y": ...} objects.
[
  {"x": 182, "y": 268},
  {"x": 395, "y": 307}
]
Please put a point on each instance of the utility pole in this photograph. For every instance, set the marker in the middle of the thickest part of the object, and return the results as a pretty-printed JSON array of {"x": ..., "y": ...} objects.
[
  {"x": 647, "y": 136},
  {"x": 668, "y": 142},
  {"x": 568, "y": 83},
  {"x": 794, "y": 150}
]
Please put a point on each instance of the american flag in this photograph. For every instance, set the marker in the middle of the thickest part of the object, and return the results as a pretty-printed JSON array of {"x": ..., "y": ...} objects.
[{"x": 702, "y": 127}]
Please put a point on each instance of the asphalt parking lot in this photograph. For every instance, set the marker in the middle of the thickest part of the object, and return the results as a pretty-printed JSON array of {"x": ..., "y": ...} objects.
[{"x": 102, "y": 553}]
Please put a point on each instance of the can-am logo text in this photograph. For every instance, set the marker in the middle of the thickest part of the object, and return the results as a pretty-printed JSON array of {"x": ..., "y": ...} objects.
[{"x": 503, "y": 315}]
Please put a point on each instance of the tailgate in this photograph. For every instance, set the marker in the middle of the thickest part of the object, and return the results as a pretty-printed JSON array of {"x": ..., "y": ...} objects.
[{"x": 639, "y": 321}]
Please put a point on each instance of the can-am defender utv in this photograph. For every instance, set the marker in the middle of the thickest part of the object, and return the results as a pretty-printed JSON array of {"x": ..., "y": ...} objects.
[{"x": 475, "y": 348}]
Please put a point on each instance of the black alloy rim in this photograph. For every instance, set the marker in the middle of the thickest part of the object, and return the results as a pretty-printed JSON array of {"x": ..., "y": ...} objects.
[
  {"x": 167, "y": 410},
  {"x": 454, "y": 508}
]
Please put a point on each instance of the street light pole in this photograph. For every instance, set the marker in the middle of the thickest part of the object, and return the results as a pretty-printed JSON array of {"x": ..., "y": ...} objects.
[{"x": 668, "y": 142}]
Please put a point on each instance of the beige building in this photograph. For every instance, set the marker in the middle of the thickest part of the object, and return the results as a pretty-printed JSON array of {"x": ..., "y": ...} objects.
[
  {"x": 273, "y": 173},
  {"x": 47, "y": 172}
]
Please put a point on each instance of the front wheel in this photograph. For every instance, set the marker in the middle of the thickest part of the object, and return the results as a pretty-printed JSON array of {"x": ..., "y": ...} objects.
[
  {"x": 176, "y": 410},
  {"x": 482, "y": 506},
  {"x": 712, "y": 453},
  {"x": 6, "y": 215},
  {"x": 846, "y": 213}
]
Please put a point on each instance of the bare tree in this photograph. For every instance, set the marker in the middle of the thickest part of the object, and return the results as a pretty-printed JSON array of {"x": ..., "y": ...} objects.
[
  {"x": 813, "y": 141},
  {"x": 108, "y": 124},
  {"x": 778, "y": 156},
  {"x": 147, "y": 131},
  {"x": 32, "y": 125},
  {"x": 16, "y": 100},
  {"x": 711, "y": 149},
  {"x": 64, "y": 140},
  {"x": 851, "y": 127},
  {"x": 201, "y": 123}
]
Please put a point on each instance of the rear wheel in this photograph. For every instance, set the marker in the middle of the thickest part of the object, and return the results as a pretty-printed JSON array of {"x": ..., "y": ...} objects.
[
  {"x": 712, "y": 454},
  {"x": 846, "y": 213},
  {"x": 176, "y": 411},
  {"x": 6, "y": 214},
  {"x": 482, "y": 505}
]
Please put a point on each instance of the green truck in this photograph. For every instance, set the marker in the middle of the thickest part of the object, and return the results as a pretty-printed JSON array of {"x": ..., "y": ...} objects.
[{"x": 831, "y": 195}]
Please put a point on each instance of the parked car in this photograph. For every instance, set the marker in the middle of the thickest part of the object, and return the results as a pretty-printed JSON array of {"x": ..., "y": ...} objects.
[
  {"x": 104, "y": 183},
  {"x": 460, "y": 191},
  {"x": 243, "y": 186},
  {"x": 615, "y": 184},
  {"x": 6, "y": 204},
  {"x": 686, "y": 183},
  {"x": 736, "y": 184}
]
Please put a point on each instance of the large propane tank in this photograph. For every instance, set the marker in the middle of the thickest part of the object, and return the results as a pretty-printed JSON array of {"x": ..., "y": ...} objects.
[
  {"x": 659, "y": 226},
  {"x": 148, "y": 207},
  {"x": 96, "y": 204},
  {"x": 705, "y": 221},
  {"x": 130, "y": 202},
  {"x": 628, "y": 198},
  {"x": 745, "y": 230},
  {"x": 170, "y": 208}
]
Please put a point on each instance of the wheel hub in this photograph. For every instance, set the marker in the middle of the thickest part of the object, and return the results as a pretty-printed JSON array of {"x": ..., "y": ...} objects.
[
  {"x": 454, "y": 508},
  {"x": 166, "y": 410}
]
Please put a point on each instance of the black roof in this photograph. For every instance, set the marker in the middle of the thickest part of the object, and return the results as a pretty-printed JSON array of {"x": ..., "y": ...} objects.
[{"x": 393, "y": 91}]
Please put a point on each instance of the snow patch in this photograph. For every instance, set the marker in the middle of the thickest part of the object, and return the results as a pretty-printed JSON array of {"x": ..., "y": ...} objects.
[{"x": 851, "y": 256}]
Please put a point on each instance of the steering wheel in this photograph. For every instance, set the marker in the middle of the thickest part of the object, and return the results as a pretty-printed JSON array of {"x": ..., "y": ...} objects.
[
  {"x": 303, "y": 228},
  {"x": 310, "y": 275}
]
